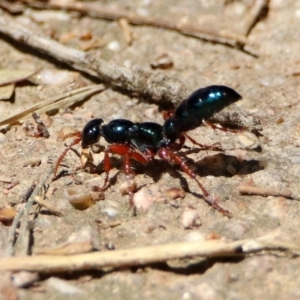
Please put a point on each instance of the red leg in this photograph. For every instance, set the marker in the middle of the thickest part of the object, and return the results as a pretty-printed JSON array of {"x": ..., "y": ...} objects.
[
  {"x": 167, "y": 114},
  {"x": 127, "y": 152},
  {"x": 123, "y": 150},
  {"x": 178, "y": 146},
  {"x": 170, "y": 156},
  {"x": 61, "y": 157},
  {"x": 106, "y": 167},
  {"x": 213, "y": 126},
  {"x": 215, "y": 146}
]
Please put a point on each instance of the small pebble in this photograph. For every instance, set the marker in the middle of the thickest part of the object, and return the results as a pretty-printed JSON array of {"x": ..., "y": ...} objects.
[
  {"x": 175, "y": 193},
  {"x": 110, "y": 211},
  {"x": 114, "y": 46},
  {"x": 190, "y": 219},
  {"x": 194, "y": 236},
  {"x": 237, "y": 229},
  {"x": 146, "y": 196},
  {"x": 24, "y": 279},
  {"x": 248, "y": 140},
  {"x": 127, "y": 63}
]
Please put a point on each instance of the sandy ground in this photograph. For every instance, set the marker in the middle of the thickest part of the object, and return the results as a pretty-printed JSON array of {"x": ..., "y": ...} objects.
[{"x": 269, "y": 85}]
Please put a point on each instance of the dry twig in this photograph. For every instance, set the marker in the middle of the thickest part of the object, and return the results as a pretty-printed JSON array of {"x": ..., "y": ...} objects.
[
  {"x": 144, "y": 255},
  {"x": 24, "y": 235}
]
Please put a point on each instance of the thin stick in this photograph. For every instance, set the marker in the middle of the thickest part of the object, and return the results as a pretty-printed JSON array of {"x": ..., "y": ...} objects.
[
  {"x": 23, "y": 236},
  {"x": 24, "y": 198},
  {"x": 143, "y": 256},
  {"x": 263, "y": 191},
  {"x": 253, "y": 15},
  {"x": 12, "y": 233},
  {"x": 62, "y": 156}
]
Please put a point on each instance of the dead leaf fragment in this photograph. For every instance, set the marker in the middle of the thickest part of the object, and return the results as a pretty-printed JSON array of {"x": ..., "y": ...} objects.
[
  {"x": 80, "y": 201},
  {"x": 13, "y": 76}
]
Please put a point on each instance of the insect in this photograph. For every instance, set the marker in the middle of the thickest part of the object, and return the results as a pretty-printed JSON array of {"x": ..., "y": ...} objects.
[{"x": 143, "y": 141}]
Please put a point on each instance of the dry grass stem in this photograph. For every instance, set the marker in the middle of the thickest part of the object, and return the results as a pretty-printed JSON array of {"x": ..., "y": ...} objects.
[
  {"x": 126, "y": 30},
  {"x": 144, "y": 255},
  {"x": 48, "y": 206},
  {"x": 57, "y": 102},
  {"x": 263, "y": 191}
]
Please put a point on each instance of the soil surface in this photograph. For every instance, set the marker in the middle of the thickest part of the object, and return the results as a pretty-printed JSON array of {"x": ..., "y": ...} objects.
[{"x": 269, "y": 85}]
